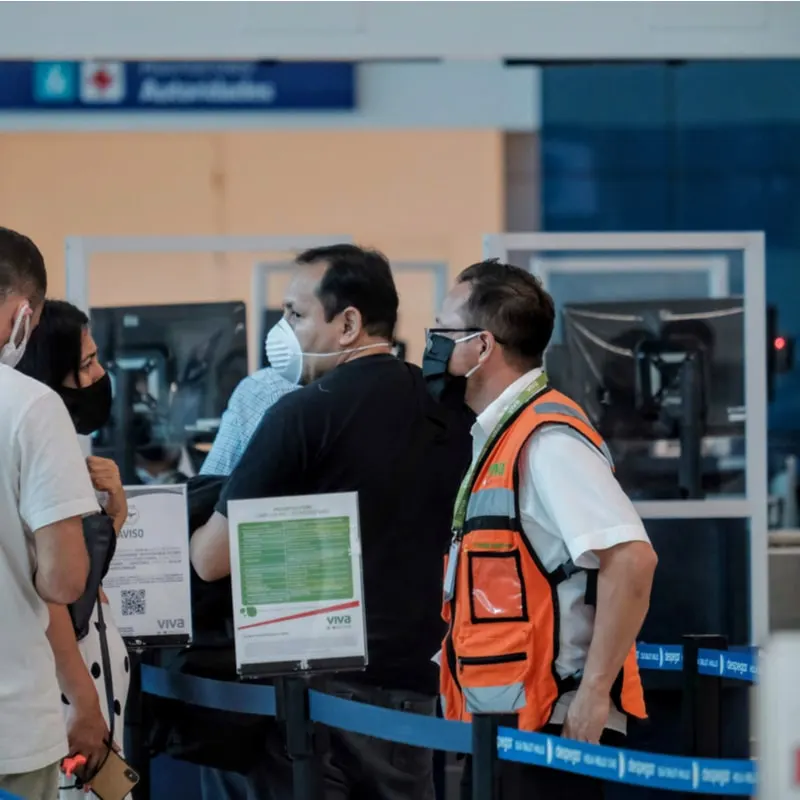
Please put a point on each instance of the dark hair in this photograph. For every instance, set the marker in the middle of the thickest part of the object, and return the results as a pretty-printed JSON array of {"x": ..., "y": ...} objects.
[
  {"x": 511, "y": 304},
  {"x": 55, "y": 347},
  {"x": 22, "y": 267},
  {"x": 359, "y": 278}
]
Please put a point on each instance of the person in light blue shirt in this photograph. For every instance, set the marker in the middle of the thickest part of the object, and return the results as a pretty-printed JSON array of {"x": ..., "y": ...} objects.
[
  {"x": 250, "y": 400},
  {"x": 248, "y": 404}
]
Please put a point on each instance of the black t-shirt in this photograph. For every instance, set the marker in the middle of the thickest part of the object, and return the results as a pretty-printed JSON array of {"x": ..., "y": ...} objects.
[{"x": 356, "y": 430}]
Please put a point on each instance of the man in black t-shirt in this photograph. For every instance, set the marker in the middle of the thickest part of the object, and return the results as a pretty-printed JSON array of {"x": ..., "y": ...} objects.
[{"x": 363, "y": 423}]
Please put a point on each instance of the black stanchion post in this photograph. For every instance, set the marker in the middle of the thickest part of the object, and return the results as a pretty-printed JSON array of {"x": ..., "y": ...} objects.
[
  {"x": 484, "y": 756},
  {"x": 439, "y": 766},
  {"x": 292, "y": 709},
  {"x": 702, "y": 701}
]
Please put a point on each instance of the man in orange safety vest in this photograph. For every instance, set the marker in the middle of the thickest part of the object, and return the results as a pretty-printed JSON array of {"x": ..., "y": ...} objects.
[{"x": 549, "y": 575}]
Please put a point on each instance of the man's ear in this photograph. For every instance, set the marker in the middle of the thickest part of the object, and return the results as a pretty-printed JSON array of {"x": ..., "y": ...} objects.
[
  {"x": 352, "y": 326},
  {"x": 488, "y": 344}
]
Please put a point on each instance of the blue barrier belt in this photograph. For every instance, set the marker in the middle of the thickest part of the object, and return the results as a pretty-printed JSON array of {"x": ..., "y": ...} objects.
[
  {"x": 666, "y": 657},
  {"x": 709, "y": 776},
  {"x": 393, "y": 726},
  {"x": 219, "y": 695},
  {"x": 674, "y": 773},
  {"x": 738, "y": 663}
]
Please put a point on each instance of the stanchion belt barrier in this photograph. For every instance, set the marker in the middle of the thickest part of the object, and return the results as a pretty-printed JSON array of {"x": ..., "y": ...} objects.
[
  {"x": 673, "y": 773},
  {"x": 740, "y": 663}
]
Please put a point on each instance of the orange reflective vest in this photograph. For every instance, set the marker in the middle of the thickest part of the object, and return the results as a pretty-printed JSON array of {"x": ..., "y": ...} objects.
[{"x": 501, "y": 606}]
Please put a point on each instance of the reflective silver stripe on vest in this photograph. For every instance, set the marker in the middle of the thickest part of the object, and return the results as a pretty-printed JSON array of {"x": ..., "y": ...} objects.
[
  {"x": 495, "y": 699},
  {"x": 603, "y": 446},
  {"x": 568, "y": 411},
  {"x": 491, "y": 503},
  {"x": 562, "y": 408}
]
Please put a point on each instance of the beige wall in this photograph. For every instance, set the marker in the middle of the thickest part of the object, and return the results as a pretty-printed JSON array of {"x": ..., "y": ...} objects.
[{"x": 414, "y": 194}]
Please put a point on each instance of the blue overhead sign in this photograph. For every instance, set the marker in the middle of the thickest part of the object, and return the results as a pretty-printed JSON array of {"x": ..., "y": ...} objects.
[{"x": 135, "y": 86}]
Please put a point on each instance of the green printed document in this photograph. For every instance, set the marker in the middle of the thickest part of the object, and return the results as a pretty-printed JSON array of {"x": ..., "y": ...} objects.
[
  {"x": 297, "y": 584},
  {"x": 295, "y": 561}
]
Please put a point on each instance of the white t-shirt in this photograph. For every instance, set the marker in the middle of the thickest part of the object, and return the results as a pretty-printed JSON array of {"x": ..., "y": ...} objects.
[
  {"x": 43, "y": 480},
  {"x": 571, "y": 505}
]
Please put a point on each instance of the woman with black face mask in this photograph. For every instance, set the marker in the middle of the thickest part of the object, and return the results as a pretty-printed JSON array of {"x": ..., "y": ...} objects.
[{"x": 62, "y": 354}]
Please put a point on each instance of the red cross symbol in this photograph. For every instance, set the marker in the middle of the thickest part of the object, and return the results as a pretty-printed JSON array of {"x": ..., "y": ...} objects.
[{"x": 102, "y": 80}]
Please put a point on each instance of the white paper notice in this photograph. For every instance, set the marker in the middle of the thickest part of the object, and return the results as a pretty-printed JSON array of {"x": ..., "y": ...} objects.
[
  {"x": 148, "y": 581},
  {"x": 297, "y": 583}
]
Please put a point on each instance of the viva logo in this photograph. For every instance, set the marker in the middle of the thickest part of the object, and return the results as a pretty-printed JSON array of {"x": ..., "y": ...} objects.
[
  {"x": 339, "y": 620},
  {"x": 171, "y": 624}
]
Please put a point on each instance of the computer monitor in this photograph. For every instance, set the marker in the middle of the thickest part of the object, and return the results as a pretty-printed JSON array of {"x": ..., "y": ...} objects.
[
  {"x": 658, "y": 371},
  {"x": 173, "y": 368}
]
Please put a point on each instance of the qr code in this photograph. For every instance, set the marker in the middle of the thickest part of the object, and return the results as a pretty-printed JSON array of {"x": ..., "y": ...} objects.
[{"x": 133, "y": 602}]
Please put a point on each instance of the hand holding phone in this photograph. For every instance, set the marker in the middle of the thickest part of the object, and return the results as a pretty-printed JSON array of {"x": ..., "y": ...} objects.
[{"x": 115, "y": 778}]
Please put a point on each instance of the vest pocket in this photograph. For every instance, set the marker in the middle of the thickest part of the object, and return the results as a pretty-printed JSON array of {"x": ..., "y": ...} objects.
[
  {"x": 496, "y": 587},
  {"x": 493, "y": 684},
  {"x": 480, "y": 661},
  {"x": 493, "y": 646}
]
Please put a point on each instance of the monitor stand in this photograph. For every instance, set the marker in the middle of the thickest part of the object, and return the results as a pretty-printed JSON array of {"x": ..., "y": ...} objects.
[
  {"x": 690, "y": 427},
  {"x": 670, "y": 388}
]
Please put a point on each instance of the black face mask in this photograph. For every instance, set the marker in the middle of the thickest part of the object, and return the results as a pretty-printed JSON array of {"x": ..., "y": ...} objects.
[
  {"x": 90, "y": 407},
  {"x": 444, "y": 387}
]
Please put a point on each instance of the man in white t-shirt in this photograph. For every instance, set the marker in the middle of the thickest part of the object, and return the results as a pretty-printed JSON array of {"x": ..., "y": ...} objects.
[
  {"x": 547, "y": 543},
  {"x": 45, "y": 490}
]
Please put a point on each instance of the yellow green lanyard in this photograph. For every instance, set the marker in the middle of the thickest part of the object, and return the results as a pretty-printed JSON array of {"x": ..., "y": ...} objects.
[{"x": 462, "y": 500}]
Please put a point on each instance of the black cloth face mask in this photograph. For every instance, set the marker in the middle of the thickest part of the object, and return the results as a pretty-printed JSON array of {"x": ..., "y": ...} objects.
[
  {"x": 90, "y": 406},
  {"x": 444, "y": 387}
]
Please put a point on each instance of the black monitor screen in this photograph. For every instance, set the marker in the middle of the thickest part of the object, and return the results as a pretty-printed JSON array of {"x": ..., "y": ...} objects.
[
  {"x": 604, "y": 340},
  {"x": 180, "y": 363}
]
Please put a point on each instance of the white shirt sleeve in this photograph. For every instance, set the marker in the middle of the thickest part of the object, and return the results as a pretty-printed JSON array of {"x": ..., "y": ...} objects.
[
  {"x": 54, "y": 479},
  {"x": 577, "y": 497}
]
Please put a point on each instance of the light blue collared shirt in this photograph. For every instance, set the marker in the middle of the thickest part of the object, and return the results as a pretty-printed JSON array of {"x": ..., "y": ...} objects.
[{"x": 249, "y": 402}]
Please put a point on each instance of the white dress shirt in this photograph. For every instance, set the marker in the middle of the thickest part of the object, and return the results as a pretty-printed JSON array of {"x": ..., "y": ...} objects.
[{"x": 571, "y": 506}]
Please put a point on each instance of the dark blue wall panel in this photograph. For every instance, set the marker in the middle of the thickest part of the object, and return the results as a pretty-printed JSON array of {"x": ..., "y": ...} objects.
[{"x": 699, "y": 146}]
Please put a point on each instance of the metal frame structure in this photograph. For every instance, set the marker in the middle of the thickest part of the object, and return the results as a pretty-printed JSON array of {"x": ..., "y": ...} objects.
[
  {"x": 259, "y": 295},
  {"x": 80, "y": 249},
  {"x": 715, "y": 266},
  {"x": 754, "y": 505}
]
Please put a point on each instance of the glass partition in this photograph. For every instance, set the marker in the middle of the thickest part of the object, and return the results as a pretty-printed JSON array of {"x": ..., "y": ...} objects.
[
  {"x": 662, "y": 340},
  {"x": 651, "y": 345}
]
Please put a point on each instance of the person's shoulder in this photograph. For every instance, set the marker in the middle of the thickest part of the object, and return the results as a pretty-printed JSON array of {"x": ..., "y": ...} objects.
[
  {"x": 561, "y": 449},
  {"x": 28, "y": 406},
  {"x": 270, "y": 392},
  {"x": 270, "y": 377},
  {"x": 18, "y": 392},
  {"x": 265, "y": 383},
  {"x": 26, "y": 387},
  {"x": 265, "y": 378},
  {"x": 376, "y": 374}
]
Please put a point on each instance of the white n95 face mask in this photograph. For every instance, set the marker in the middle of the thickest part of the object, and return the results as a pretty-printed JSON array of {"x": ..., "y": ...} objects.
[
  {"x": 284, "y": 352},
  {"x": 286, "y": 355},
  {"x": 11, "y": 353}
]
